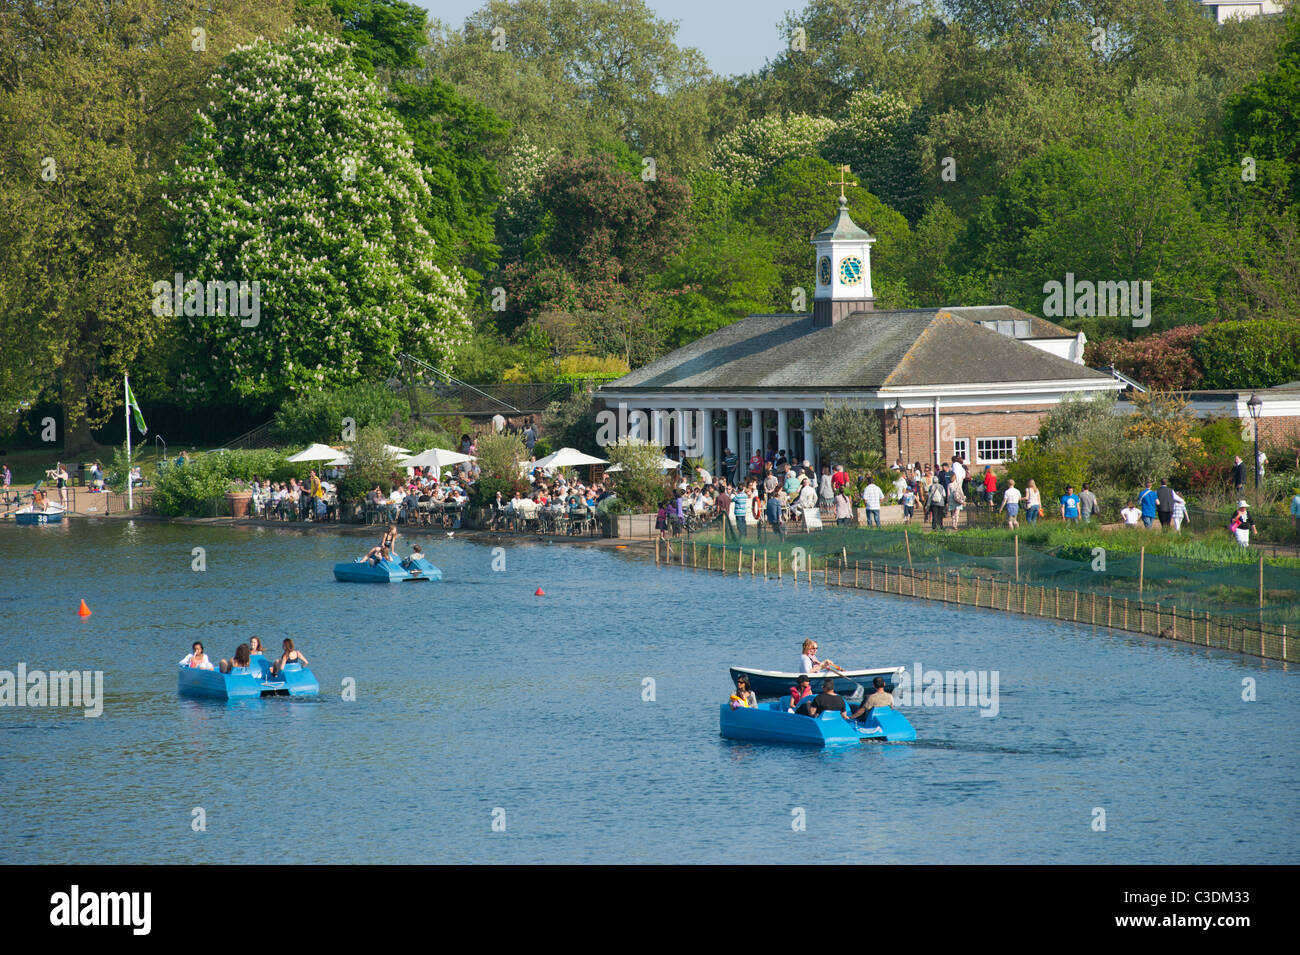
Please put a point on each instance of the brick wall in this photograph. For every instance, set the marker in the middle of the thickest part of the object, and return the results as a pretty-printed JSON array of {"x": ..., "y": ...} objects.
[{"x": 912, "y": 438}]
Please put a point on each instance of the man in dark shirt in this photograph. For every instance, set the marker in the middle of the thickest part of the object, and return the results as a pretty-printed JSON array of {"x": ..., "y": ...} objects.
[
  {"x": 1239, "y": 473},
  {"x": 827, "y": 700},
  {"x": 945, "y": 476},
  {"x": 1165, "y": 504}
]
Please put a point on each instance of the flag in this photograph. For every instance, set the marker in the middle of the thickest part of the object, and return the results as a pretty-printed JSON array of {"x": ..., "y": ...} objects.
[{"x": 135, "y": 408}]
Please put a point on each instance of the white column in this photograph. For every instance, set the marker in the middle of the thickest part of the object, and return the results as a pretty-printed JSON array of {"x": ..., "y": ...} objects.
[
  {"x": 705, "y": 439},
  {"x": 657, "y": 426},
  {"x": 733, "y": 430},
  {"x": 635, "y": 424},
  {"x": 756, "y": 431},
  {"x": 783, "y": 431},
  {"x": 809, "y": 442}
]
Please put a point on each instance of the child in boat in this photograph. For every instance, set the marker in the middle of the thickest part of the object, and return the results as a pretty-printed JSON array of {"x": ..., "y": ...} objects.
[
  {"x": 417, "y": 553},
  {"x": 743, "y": 696},
  {"x": 196, "y": 659},
  {"x": 290, "y": 655},
  {"x": 240, "y": 659}
]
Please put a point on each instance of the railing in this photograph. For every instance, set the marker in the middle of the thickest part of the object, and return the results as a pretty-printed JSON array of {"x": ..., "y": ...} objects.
[
  {"x": 259, "y": 437},
  {"x": 1198, "y": 628}
]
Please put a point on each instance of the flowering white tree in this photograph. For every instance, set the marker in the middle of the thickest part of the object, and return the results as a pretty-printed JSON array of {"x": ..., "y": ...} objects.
[
  {"x": 298, "y": 178},
  {"x": 744, "y": 155}
]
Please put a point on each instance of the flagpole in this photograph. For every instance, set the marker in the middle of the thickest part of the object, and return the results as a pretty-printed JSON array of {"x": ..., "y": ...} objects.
[{"x": 126, "y": 390}]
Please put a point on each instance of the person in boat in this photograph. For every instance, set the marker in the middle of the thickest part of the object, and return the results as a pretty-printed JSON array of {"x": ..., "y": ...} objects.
[
  {"x": 878, "y": 697},
  {"x": 801, "y": 695},
  {"x": 377, "y": 555},
  {"x": 417, "y": 553},
  {"x": 196, "y": 659},
  {"x": 255, "y": 646},
  {"x": 743, "y": 696},
  {"x": 290, "y": 655},
  {"x": 808, "y": 662},
  {"x": 240, "y": 660},
  {"x": 827, "y": 700},
  {"x": 389, "y": 540}
]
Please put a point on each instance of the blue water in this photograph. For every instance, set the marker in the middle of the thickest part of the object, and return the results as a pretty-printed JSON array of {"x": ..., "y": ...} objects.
[{"x": 474, "y": 695}]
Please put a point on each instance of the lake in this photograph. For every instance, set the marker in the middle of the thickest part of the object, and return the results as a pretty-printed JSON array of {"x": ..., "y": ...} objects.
[{"x": 492, "y": 725}]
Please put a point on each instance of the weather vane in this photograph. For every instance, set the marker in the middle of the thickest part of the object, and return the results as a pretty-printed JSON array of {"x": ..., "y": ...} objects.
[{"x": 844, "y": 169}]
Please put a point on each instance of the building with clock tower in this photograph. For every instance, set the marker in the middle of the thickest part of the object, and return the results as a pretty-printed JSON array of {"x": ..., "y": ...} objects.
[{"x": 843, "y": 269}]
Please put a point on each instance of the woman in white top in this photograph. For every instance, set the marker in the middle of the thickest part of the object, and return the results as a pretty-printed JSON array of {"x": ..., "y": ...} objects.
[
  {"x": 1032, "y": 502},
  {"x": 1180, "y": 511},
  {"x": 808, "y": 662}
]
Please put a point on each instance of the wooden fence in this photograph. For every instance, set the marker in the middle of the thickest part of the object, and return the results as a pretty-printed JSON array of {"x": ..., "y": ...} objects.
[{"x": 1197, "y": 628}]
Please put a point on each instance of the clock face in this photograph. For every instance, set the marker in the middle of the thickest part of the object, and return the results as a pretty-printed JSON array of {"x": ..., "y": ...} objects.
[
  {"x": 824, "y": 270},
  {"x": 851, "y": 270}
]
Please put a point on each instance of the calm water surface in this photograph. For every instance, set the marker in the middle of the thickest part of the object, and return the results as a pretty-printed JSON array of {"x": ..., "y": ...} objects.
[{"x": 474, "y": 695}]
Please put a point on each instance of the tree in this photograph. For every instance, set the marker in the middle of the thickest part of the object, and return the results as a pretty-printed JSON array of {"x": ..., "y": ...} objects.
[
  {"x": 841, "y": 429},
  {"x": 571, "y": 423},
  {"x": 640, "y": 485},
  {"x": 750, "y": 152},
  {"x": 876, "y": 136},
  {"x": 383, "y": 33},
  {"x": 297, "y": 177},
  {"x": 94, "y": 97},
  {"x": 570, "y": 72},
  {"x": 1263, "y": 120}
]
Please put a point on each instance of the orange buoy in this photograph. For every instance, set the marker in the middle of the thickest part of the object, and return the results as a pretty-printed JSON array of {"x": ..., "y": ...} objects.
[
  {"x": 539, "y": 592},
  {"x": 83, "y": 611}
]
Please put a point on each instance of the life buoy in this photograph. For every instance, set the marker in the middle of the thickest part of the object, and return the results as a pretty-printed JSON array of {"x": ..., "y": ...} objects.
[{"x": 738, "y": 701}]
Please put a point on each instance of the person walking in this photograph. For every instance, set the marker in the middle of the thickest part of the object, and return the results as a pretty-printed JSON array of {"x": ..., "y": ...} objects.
[
  {"x": 1148, "y": 503},
  {"x": 1180, "y": 512},
  {"x": 1239, "y": 474},
  {"x": 1241, "y": 524},
  {"x": 1070, "y": 505},
  {"x": 1011, "y": 503},
  {"x": 1295, "y": 511},
  {"x": 1088, "y": 505},
  {"x": 990, "y": 485},
  {"x": 740, "y": 507},
  {"x": 936, "y": 502},
  {"x": 1033, "y": 502},
  {"x": 872, "y": 496},
  {"x": 1165, "y": 504}
]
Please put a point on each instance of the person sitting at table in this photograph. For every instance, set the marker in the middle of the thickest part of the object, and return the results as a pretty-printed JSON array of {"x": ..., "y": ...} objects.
[
  {"x": 240, "y": 660},
  {"x": 196, "y": 659}
]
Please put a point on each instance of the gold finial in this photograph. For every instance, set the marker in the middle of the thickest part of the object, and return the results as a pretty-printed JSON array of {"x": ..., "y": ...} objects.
[{"x": 844, "y": 169}]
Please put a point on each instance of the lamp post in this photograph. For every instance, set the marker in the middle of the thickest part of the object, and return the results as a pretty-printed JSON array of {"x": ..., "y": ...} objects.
[{"x": 1254, "y": 405}]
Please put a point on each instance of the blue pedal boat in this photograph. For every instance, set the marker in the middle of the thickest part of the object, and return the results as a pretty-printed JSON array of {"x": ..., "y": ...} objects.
[
  {"x": 411, "y": 570},
  {"x": 247, "y": 683},
  {"x": 773, "y": 723}
]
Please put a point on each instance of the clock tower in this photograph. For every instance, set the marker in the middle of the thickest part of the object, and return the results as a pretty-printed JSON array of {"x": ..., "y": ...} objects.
[{"x": 843, "y": 269}]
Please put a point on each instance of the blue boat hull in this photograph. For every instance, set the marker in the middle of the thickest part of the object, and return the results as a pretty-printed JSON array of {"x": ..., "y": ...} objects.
[
  {"x": 771, "y": 723},
  {"x": 248, "y": 683},
  {"x": 386, "y": 572},
  {"x": 37, "y": 517}
]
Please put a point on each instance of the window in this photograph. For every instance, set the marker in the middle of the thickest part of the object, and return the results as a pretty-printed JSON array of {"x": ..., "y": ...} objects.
[
  {"x": 961, "y": 448},
  {"x": 995, "y": 450}
]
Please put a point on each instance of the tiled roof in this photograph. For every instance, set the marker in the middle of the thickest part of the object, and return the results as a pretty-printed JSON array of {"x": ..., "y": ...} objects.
[{"x": 868, "y": 350}]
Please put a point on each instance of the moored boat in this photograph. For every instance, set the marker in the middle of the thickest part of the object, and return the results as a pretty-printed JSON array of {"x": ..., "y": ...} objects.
[
  {"x": 773, "y": 723},
  {"x": 29, "y": 515},
  {"x": 778, "y": 683},
  {"x": 411, "y": 570},
  {"x": 250, "y": 682}
]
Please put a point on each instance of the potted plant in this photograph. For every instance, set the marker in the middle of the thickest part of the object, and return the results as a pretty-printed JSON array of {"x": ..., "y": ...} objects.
[
  {"x": 607, "y": 514},
  {"x": 238, "y": 498}
]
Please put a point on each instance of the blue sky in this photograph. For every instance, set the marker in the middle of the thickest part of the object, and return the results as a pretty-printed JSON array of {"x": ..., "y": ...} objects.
[{"x": 735, "y": 36}]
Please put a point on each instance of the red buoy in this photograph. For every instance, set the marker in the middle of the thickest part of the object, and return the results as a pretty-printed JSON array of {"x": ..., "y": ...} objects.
[
  {"x": 539, "y": 592},
  {"x": 83, "y": 611}
]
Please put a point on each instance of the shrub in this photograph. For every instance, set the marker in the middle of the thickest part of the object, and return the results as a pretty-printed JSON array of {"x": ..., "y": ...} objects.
[
  {"x": 640, "y": 485},
  {"x": 500, "y": 456},
  {"x": 198, "y": 488},
  {"x": 319, "y": 416},
  {"x": 1251, "y": 354},
  {"x": 842, "y": 429}
]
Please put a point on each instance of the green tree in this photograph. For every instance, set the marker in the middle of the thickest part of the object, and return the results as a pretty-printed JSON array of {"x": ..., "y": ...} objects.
[
  {"x": 299, "y": 178},
  {"x": 93, "y": 103},
  {"x": 383, "y": 33},
  {"x": 841, "y": 430}
]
